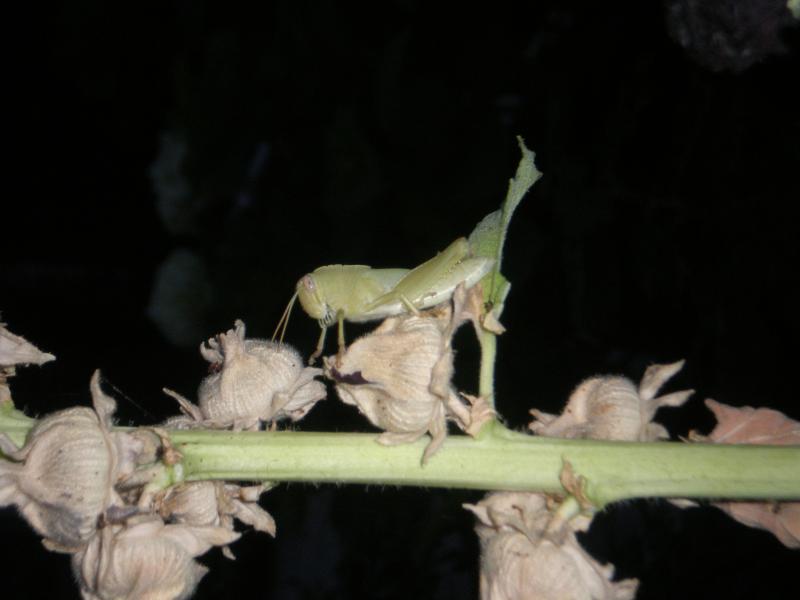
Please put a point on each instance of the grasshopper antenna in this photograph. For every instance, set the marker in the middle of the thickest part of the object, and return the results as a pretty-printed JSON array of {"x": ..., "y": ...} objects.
[
  {"x": 129, "y": 399},
  {"x": 282, "y": 324}
]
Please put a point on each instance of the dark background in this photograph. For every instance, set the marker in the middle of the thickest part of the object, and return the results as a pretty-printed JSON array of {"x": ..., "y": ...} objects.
[{"x": 179, "y": 165}]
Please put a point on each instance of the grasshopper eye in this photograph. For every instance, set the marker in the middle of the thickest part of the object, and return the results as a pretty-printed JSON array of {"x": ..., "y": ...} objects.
[{"x": 308, "y": 282}]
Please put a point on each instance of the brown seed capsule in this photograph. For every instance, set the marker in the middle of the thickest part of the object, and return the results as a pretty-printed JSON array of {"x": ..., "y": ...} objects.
[
  {"x": 612, "y": 408},
  {"x": 252, "y": 380},
  {"x": 145, "y": 559},
  {"x": 399, "y": 377},
  {"x": 215, "y": 504},
  {"x": 62, "y": 478},
  {"x": 520, "y": 559}
]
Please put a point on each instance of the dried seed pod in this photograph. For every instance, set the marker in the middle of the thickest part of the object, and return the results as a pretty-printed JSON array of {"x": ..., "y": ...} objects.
[
  {"x": 192, "y": 503},
  {"x": 399, "y": 377},
  {"x": 215, "y": 504},
  {"x": 63, "y": 477},
  {"x": 612, "y": 408},
  {"x": 521, "y": 560},
  {"x": 254, "y": 380},
  {"x": 145, "y": 559},
  {"x": 387, "y": 375}
]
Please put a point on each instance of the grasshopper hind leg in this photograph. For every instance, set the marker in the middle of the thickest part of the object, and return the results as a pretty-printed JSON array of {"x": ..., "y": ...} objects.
[{"x": 391, "y": 298}]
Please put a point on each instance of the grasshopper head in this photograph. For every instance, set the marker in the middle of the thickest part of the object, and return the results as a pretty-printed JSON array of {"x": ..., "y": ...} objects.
[{"x": 311, "y": 299}]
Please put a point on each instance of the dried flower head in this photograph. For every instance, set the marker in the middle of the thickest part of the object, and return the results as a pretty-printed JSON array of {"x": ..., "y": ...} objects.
[
  {"x": 253, "y": 380},
  {"x": 215, "y": 504},
  {"x": 521, "y": 560},
  {"x": 612, "y": 408},
  {"x": 399, "y": 376},
  {"x": 62, "y": 479},
  {"x": 145, "y": 559}
]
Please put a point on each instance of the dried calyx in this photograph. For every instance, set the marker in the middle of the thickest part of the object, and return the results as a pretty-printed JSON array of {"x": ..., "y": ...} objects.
[
  {"x": 109, "y": 498},
  {"x": 215, "y": 504},
  {"x": 253, "y": 381},
  {"x": 62, "y": 480},
  {"x": 399, "y": 376},
  {"x": 145, "y": 558},
  {"x": 524, "y": 556},
  {"x": 613, "y": 408}
]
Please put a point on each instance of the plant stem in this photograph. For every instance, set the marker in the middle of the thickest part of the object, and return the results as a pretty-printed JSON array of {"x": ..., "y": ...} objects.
[
  {"x": 499, "y": 460},
  {"x": 488, "y": 343},
  {"x": 14, "y": 423},
  {"x": 502, "y": 460}
]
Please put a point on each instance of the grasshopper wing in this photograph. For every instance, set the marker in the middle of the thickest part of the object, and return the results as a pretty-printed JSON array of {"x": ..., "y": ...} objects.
[{"x": 432, "y": 282}]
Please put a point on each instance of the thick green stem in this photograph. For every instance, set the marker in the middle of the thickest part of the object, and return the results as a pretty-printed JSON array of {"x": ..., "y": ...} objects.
[
  {"x": 499, "y": 460},
  {"x": 502, "y": 460}
]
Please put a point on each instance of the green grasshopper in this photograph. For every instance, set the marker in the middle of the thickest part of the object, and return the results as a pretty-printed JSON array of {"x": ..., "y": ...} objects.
[{"x": 359, "y": 293}]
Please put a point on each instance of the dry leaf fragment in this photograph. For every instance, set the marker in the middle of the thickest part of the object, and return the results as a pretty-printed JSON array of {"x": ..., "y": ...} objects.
[
  {"x": 480, "y": 413},
  {"x": 62, "y": 478},
  {"x": 782, "y": 519},
  {"x": 613, "y": 408},
  {"x": 16, "y": 350},
  {"x": 748, "y": 425},
  {"x": 145, "y": 559},
  {"x": 521, "y": 560}
]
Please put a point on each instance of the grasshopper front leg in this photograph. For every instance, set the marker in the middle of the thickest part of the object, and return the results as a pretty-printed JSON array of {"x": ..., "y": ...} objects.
[{"x": 320, "y": 343}]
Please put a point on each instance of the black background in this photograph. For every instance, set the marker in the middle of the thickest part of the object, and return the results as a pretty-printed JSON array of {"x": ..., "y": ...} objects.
[{"x": 664, "y": 227}]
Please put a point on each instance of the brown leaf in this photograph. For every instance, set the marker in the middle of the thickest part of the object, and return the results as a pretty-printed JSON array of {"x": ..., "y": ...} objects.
[
  {"x": 780, "y": 519},
  {"x": 748, "y": 425}
]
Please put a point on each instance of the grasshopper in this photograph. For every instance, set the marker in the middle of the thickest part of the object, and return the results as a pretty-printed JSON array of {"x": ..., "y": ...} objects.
[{"x": 358, "y": 293}]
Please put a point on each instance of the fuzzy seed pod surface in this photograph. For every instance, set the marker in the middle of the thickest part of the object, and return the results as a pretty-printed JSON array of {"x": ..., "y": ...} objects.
[
  {"x": 255, "y": 380},
  {"x": 391, "y": 376},
  {"x": 614, "y": 408},
  {"x": 63, "y": 480},
  {"x": 145, "y": 559},
  {"x": 521, "y": 560},
  {"x": 215, "y": 504}
]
